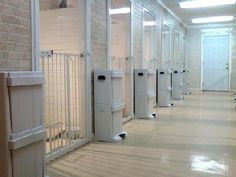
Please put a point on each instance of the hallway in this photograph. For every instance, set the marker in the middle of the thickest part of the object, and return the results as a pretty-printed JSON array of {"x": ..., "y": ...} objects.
[{"x": 197, "y": 138}]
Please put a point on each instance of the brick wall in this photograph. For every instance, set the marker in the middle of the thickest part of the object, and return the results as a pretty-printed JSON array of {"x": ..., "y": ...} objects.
[
  {"x": 160, "y": 13},
  {"x": 15, "y": 35},
  {"x": 99, "y": 34},
  {"x": 194, "y": 57},
  {"x": 99, "y": 38}
]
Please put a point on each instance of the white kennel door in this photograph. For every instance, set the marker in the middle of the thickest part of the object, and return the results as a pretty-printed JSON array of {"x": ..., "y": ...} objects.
[
  {"x": 64, "y": 100},
  {"x": 120, "y": 50},
  {"x": 166, "y": 47},
  {"x": 216, "y": 63},
  {"x": 148, "y": 40},
  {"x": 62, "y": 38}
]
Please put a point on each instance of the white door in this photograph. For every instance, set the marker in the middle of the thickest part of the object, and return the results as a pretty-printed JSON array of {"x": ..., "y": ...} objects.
[{"x": 216, "y": 63}]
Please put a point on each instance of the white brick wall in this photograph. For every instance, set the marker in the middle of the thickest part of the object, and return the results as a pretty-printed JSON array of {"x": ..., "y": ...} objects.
[
  {"x": 15, "y": 31},
  {"x": 160, "y": 14},
  {"x": 99, "y": 29},
  {"x": 99, "y": 34},
  {"x": 194, "y": 57},
  {"x": 15, "y": 35}
]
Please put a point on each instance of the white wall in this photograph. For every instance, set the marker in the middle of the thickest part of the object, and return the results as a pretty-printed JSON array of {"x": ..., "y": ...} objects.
[
  {"x": 233, "y": 59},
  {"x": 194, "y": 57},
  {"x": 62, "y": 30}
]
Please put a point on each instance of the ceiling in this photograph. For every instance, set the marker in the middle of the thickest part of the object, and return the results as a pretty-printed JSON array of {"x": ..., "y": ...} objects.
[{"x": 187, "y": 14}]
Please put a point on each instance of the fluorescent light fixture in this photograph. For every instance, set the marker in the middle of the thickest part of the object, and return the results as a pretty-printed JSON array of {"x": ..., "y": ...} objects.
[
  {"x": 149, "y": 23},
  {"x": 213, "y": 19},
  {"x": 205, "y": 3},
  {"x": 216, "y": 30},
  {"x": 124, "y": 10}
]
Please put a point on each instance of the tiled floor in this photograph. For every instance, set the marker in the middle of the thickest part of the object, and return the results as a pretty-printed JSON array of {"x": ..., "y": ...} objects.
[{"x": 197, "y": 138}]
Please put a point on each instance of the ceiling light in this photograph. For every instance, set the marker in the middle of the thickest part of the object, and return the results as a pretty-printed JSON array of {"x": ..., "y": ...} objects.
[
  {"x": 216, "y": 30},
  {"x": 124, "y": 10},
  {"x": 213, "y": 19},
  {"x": 149, "y": 23},
  {"x": 205, "y": 3}
]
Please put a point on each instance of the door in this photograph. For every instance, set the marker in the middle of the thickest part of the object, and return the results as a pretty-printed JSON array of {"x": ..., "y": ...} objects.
[
  {"x": 216, "y": 63},
  {"x": 120, "y": 49},
  {"x": 64, "y": 62}
]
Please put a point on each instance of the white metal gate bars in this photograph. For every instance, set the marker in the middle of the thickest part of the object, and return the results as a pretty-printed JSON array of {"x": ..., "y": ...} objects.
[{"x": 64, "y": 99}]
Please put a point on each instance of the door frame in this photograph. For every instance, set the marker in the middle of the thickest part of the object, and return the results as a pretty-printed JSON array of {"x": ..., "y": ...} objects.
[
  {"x": 202, "y": 59},
  {"x": 109, "y": 33},
  {"x": 35, "y": 26},
  {"x": 35, "y": 41},
  {"x": 131, "y": 52},
  {"x": 163, "y": 22},
  {"x": 149, "y": 11}
]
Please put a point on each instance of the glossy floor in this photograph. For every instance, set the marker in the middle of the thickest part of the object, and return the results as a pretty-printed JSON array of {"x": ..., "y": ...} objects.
[{"x": 197, "y": 138}]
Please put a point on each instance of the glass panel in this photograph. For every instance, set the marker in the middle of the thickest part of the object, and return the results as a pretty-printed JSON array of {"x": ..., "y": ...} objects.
[
  {"x": 184, "y": 62},
  {"x": 62, "y": 42},
  {"x": 177, "y": 51},
  {"x": 166, "y": 41},
  {"x": 120, "y": 46},
  {"x": 149, "y": 44},
  {"x": 149, "y": 26},
  {"x": 62, "y": 25}
]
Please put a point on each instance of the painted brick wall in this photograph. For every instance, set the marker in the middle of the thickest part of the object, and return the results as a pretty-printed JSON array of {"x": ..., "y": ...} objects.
[
  {"x": 194, "y": 57},
  {"x": 15, "y": 35},
  {"x": 160, "y": 13},
  {"x": 99, "y": 30},
  {"x": 99, "y": 34}
]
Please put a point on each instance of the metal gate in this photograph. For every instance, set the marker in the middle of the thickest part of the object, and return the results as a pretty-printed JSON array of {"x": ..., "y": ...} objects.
[
  {"x": 125, "y": 64},
  {"x": 64, "y": 100}
]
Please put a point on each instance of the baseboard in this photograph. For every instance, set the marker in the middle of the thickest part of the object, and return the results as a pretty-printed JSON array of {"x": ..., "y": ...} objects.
[{"x": 126, "y": 119}]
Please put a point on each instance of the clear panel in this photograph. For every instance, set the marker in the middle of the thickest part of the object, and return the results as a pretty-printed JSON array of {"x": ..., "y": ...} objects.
[
  {"x": 184, "y": 49},
  {"x": 120, "y": 47},
  {"x": 166, "y": 47},
  {"x": 158, "y": 45},
  {"x": 62, "y": 42},
  {"x": 181, "y": 55},
  {"x": 149, "y": 53},
  {"x": 177, "y": 51},
  {"x": 149, "y": 27},
  {"x": 62, "y": 29}
]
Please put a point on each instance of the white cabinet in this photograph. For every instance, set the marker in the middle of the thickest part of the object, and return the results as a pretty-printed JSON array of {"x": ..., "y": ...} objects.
[
  {"x": 185, "y": 82},
  {"x": 145, "y": 95},
  {"x": 177, "y": 84},
  {"x": 164, "y": 87},
  {"x": 108, "y": 102},
  {"x": 22, "y": 131}
]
